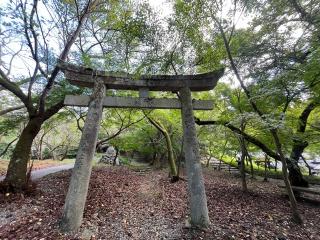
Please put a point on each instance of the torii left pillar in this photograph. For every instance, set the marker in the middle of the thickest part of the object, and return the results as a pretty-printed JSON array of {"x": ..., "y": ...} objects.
[{"x": 78, "y": 187}]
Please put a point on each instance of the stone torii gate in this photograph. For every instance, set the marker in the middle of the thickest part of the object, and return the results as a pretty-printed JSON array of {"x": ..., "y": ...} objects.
[{"x": 99, "y": 81}]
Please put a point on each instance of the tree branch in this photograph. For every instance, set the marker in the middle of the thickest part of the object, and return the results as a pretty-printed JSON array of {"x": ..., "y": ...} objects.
[
  {"x": 303, "y": 118},
  {"x": 63, "y": 56},
  {"x": 13, "y": 88},
  {"x": 246, "y": 136},
  {"x": 53, "y": 110},
  {"x": 7, "y": 147},
  {"x": 11, "y": 109}
]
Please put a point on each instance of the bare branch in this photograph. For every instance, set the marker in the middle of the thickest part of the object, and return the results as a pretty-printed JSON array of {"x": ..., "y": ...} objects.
[
  {"x": 14, "y": 88},
  {"x": 7, "y": 147},
  {"x": 11, "y": 109},
  {"x": 63, "y": 56}
]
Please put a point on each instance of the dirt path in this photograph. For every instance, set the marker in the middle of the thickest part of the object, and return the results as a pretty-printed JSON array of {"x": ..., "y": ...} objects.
[{"x": 36, "y": 174}]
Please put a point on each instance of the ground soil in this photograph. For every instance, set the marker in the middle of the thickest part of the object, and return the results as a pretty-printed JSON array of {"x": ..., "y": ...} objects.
[{"x": 124, "y": 204}]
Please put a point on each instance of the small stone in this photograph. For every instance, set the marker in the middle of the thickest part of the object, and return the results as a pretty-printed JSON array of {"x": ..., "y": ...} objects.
[
  {"x": 87, "y": 234},
  {"x": 187, "y": 224}
]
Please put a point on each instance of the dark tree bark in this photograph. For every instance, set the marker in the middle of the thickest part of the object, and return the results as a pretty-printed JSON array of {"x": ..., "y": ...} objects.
[
  {"x": 16, "y": 176},
  {"x": 242, "y": 157},
  {"x": 242, "y": 165},
  {"x": 17, "y": 170}
]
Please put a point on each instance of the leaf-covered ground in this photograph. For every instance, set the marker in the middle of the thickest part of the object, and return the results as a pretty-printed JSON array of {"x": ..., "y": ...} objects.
[{"x": 123, "y": 204}]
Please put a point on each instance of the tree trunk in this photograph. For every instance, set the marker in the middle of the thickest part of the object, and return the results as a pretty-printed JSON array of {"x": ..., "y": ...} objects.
[
  {"x": 307, "y": 165},
  {"x": 116, "y": 156},
  {"x": 171, "y": 158},
  {"x": 197, "y": 194},
  {"x": 242, "y": 164},
  {"x": 293, "y": 203},
  {"x": 265, "y": 168},
  {"x": 16, "y": 177},
  {"x": 295, "y": 175},
  {"x": 243, "y": 174},
  {"x": 40, "y": 146},
  {"x": 251, "y": 164},
  {"x": 172, "y": 161},
  {"x": 65, "y": 154},
  {"x": 208, "y": 162},
  {"x": 78, "y": 188}
]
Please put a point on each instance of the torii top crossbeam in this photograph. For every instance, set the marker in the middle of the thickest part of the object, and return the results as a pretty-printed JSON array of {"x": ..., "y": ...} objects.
[{"x": 85, "y": 77}]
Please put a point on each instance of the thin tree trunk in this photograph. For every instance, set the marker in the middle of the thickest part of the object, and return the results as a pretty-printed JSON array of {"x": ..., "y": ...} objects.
[
  {"x": 222, "y": 155},
  {"x": 242, "y": 164},
  {"x": 265, "y": 168},
  {"x": 116, "y": 156},
  {"x": 308, "y": 166},
  {"x": 40, "y": 145},
  {"x": 78, "y": 188},
  {"x": 251, "y": 163},
  {"x": 242, "y": 157},
  {"x": 65, "y": 154},
  {"x": 293, "y": 203},
  {"x": 8, "y": 146},
  {"x": 208, "y": 162},
  {"x": 16, "y": 177},
  {"x": 197, "y": 194},
  {"x": 171, "y": 158},
  {"x": 243, "y": 174},
  {"x": 172, "y": 161}
]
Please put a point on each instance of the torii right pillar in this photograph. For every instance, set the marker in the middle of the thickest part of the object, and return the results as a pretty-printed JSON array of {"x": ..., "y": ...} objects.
[{"x": 196, "y": 189}]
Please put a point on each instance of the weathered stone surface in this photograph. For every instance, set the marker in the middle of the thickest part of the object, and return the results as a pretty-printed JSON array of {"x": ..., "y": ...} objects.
[
  {"x": 109, "y": 156},
  {"x": 82, "y": 76},
  {"x": 78, "y": 187},
  {"x": 197, "y": 195},
  {"x": 129, "y": 102}
]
